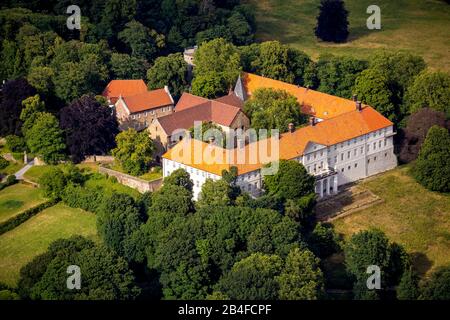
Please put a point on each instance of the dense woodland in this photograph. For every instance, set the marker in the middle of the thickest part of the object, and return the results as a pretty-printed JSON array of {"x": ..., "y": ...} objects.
[{"x": 226, "y": 245}]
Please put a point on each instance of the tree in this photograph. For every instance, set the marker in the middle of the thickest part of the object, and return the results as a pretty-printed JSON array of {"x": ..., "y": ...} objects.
[
  {"x": 372, "y": 88},
  {"x": 273, "y": 109},
  {"x": 215, "y": 193},
  {"x": 417, "y": 126},
  {"x": 432, "y": 168},
  {"x": 53, "y": 183},
  {"x": 45, "y": 138},
  {"x": 217, "y": 59},
  {"x": 429, "y": 89},
  {"x": 13, "y": 92},
  {"x": 301, "y": 277},
  {"x": 181, "y": 178},
  {"x": 105, "y": 276},
  {"x": 117, "y": 218},
  {"x": 408, "y": 288},
  {"x": 31, "y": 108},
  {"x": 438, "y": 286},
  {"x": 142, "y": 41},
  {"x": 172, "y": 199},
  {"x": 323, "y": 241},
  {"x": 240, "y": 29},
  {"x": 40, "y": 77},
  {"x": 210, "y": 85},
  {"x": 208, "y": 130},
  {"x": 171, "y": 71},
  {"x": 15, "y": 143},
  {"x": 400, "y": 68},
  {"x": 280, "y": 62},
  {"x": 125, "y": 66},
  {"x": 89, "y": 127},
  {"x": 332, "y": 22},
  {"x": 337, "y": 75},
  {"x": 291, "y": 181},
  {"x": 134, "y": 151},
  {"x": 252, "y": 278},
  {"x": 366, "y": 248}
]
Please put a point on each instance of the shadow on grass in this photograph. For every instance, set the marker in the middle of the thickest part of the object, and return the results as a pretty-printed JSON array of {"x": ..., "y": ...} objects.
[{"x": 421, "y": 263}]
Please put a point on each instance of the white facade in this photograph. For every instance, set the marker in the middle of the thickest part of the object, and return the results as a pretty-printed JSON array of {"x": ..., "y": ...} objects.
[{"x": 332, "y": 166}]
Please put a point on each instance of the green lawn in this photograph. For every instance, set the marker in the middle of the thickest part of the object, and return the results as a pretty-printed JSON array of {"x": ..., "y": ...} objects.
[
  {"x": 109, "y": 185},
  {"x": 20, "y": 245},
  {"x": 420, "y": 26},
  {"x": 18, "y": 198},
  {"x": 36, "y": 172},
  {"x": 410, "y": 215}
]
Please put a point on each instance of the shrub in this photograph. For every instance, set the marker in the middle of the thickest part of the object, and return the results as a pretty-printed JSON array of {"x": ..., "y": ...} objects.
[
  {"x": 9, "y": 182},
  {"x": 3, "y": 163},
  {"x": 86, "y": 198},
  {"x": 15, "y": 143}
]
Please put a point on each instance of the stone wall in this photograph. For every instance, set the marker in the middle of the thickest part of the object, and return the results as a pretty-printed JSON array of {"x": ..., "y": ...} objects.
[
  {"x": 101, "y": 159},
  {"x": 132, "y": 182}
]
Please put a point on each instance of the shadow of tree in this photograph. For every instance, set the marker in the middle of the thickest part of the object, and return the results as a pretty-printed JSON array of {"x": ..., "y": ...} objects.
[{"x": 421, "y": 263}]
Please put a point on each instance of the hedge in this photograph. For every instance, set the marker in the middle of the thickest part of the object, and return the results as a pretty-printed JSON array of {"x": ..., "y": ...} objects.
[
  {"x": 9, "y": 182},
  {"x": 24, "y": 216}
]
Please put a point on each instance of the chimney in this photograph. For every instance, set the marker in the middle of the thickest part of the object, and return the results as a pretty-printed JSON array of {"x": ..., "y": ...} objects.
[
  {"x": 355, "y": 97},
  {"x": 291, "y": 127},
  {"x": 358, "y": 105},
  {"x": 312, "y": 121}
]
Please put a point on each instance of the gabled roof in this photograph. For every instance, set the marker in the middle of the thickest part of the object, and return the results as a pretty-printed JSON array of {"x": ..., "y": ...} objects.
[
  {"x": 311, "y": 102},
  {"x": 210, "y": 111},
  {"x": 232, "y": 100},
  {"x": 188, "y": 100},
  {"x": 148, "y": 100},
  {"x": 291, "y": 145},
  {"x": 117, "y": 88}
]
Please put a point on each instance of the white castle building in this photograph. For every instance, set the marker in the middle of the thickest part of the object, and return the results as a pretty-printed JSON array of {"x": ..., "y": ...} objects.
[{"x": 345, "y": 141}]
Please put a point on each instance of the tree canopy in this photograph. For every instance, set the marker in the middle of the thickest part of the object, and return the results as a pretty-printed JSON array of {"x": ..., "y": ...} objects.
[
  {"x": 332, "y": 22},
  {"x": 432, "y": 167},
  {"x": 89, "y": 127}
]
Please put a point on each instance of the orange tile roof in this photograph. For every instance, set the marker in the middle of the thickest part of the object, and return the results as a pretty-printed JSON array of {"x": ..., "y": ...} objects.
[
  {"x": 117, "y": 88},
  {"x": 232, "y": 100},
  {"x": 188, "y": 100},
  {"x": 213, "y": 111},
  {"x": 311, "y": 102},
  {"x": 148, "y": 100},
  {"x": 291, "y": 145}
]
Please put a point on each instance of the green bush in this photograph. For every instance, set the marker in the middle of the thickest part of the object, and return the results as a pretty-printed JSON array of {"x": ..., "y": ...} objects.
[
  {"x": 9, "y": 182},
  {"x": 15, "y": 143},
  {"x": 86, "y": 198},
  {"x": 3, "y": 163}
]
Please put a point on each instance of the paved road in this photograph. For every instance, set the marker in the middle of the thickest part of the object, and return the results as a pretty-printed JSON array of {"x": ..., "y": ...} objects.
[{"x": 19, "y": 174}]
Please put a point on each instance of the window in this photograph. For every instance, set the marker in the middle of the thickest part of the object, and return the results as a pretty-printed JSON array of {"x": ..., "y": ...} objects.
[
  {"x": 368, "y": 160},
  {"x": 321, "y": 153},
  {"x": 321, "y": 165},
  {"x": 374, "y": 158},
  {"x": 362, "y": 150},
  {"x": 348, "y": 155},
  {"x": 349, "y": 167},
  {"x": 368, "y": 148},
  {"x": 315, "y": 155},
  {"x": 335, "y": 159},
  {"x": 308, "y": 157},
  {"x": 342, "y": 157},
  {"x": 315, "y": 167},
  {"x": 342, "y": 170},
  {"x": 356, "y": 165},
  {"x": 385, "y": 155},
  {"x": 379, "y": 144},
  {"x": 335, "y": 146},
  {"x": 355, "y": 152},
  {"x": 385, "y": 141},
  {"x": 374, "y": 145}
]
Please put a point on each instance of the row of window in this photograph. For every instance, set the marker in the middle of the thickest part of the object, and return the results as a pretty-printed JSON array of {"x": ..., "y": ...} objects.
[{"x": 150, "y": 112}]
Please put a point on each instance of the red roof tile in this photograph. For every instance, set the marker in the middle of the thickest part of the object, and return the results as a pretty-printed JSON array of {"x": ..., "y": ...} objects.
[
  {"x": 148, "y": 100},
  {"x": 117, "y": 88}
]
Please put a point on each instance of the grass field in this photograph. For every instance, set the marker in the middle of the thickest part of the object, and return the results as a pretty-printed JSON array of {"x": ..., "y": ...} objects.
[
  {"x": 20, "y": 245},
  {"x": 410, "y": 215},
  {"x": 419, "y": 26},
  {"x": 18, "y": 198}
]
